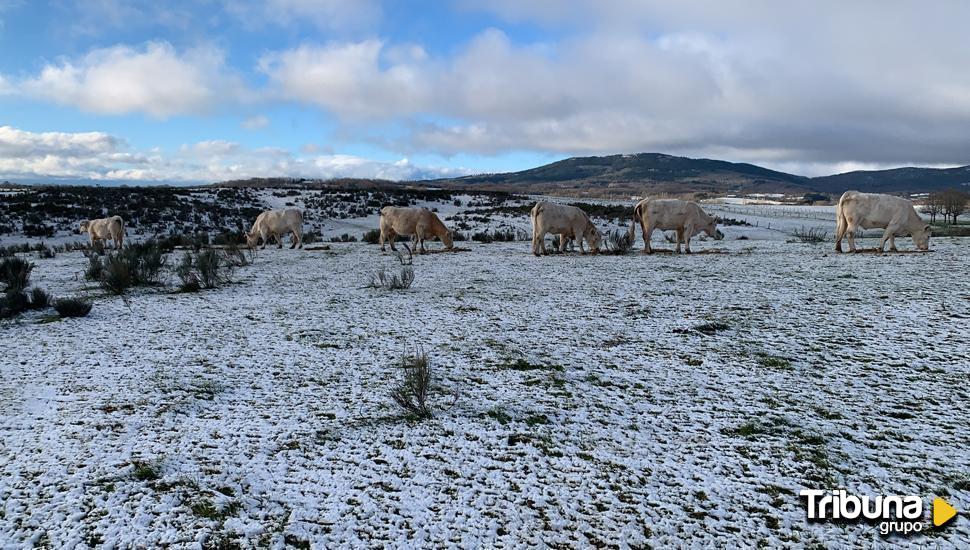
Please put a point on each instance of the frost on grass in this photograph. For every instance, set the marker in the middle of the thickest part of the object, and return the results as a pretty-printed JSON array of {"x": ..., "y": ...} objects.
[{"x": 583, "y": 418}]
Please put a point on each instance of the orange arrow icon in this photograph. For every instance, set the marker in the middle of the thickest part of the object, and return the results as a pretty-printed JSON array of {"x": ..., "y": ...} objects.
[{"x": 943, "y": 511}]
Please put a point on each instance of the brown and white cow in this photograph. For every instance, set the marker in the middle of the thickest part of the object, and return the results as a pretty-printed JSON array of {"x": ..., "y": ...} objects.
[
  {"x": 568, "y": 222},
  {"x": 277, "y": 223},
  {"x": 873, "y": 210},
  {"x": 105, "y": 228},
  {"x": 684, "y": 217},
  {"x": 419, "y": 223}
]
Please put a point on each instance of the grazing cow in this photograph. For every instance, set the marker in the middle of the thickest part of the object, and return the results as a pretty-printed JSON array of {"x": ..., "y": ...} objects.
[
  {"x": 568, "y": 222},
  {"x": 873, "y": 210},
  {"x": 277, "y": 223},
  {"x": 420, "y": 223},
  {"x": 105, "y": 228},
  {"x": 684, "y": 217}
]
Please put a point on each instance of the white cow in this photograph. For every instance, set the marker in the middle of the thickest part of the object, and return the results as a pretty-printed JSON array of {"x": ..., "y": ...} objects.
[
  {"x": 277, "y": 223},
  {"x": 876, "y": 211},
  {"x": 420, "y": 223},
  {"x": 568, "y": 222},
  {"x": 105, "y": 228},
  {"x": 684, "y": 217}
]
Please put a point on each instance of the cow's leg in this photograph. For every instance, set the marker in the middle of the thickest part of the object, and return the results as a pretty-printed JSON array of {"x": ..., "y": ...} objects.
[
  {"x": 265, "y": 238},
  {"x": 393, "y": 237},
  {"x": 892, "y": 243},
  {"x": 542, "y": 244},
  {"x": 685, "y": 236},
  {"x": 647, "y": 231},
  {"x": 294, "y": 240},
  {"x": 882, "y": 241},
  {"x": 535, "y": 241},
  {"x": 680, "y": 237},
  {"x": 850, "y": 233}
]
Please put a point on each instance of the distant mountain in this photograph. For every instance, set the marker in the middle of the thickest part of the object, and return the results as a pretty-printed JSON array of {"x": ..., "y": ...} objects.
[
  {"x": 645, "y": 173},
  {"x": 896, "y": 180},
  {"x": 637, "y": 174}
]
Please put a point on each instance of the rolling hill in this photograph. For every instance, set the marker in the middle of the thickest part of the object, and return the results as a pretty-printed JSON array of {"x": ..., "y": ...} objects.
[{"x": 658, "y": 173}]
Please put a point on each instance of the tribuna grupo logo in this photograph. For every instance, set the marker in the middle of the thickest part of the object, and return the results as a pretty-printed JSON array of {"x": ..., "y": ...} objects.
[{"x": 894, "y": 513}]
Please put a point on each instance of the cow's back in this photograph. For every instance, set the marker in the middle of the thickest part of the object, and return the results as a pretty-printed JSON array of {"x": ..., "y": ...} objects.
[
  {"x": 872, "y": 210},
  {"x": 670, "y": 213},
  {"x": 558, "y": 218}
]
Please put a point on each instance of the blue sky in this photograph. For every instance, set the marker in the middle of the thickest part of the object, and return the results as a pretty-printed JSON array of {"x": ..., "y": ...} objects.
[{"x": 215, "y": 89}]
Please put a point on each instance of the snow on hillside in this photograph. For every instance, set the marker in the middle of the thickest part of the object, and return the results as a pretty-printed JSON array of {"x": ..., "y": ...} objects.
[{"x": 578, "y": 400}]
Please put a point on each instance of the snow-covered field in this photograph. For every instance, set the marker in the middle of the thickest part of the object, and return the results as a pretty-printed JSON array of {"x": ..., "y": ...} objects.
[{"x": 574, "y": 404}]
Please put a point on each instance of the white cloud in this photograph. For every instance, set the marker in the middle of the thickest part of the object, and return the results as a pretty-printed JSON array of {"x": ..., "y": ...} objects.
[
  {"x": 257, "y": 122},
  {"x": 95, "y": 156},
  {"x": 348, "y": 78},
  {"x": 155, "y": 79},
  {"x": 332, "y": 15}
]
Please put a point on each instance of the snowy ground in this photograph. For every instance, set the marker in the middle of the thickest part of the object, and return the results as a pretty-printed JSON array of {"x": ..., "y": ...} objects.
[{"x": 574, "y": 404}]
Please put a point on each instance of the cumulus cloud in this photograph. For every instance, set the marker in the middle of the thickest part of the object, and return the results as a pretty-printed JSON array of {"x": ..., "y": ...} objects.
[
  {"x": 332, "y": 15},
  {"x": 155, "y": 79},
  {"x": 349, "y": 79},
  {"x": 98, "y": 156},
  {"x": 822, "y": 84}
]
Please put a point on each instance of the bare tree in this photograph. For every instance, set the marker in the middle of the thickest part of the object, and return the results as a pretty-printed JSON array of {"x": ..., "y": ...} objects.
[
  {"x": 933, "y": 206},
  {"x": 954, "y": 203}
]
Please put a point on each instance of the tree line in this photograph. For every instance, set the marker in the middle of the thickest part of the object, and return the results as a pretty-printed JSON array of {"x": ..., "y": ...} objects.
[{"x": 950, "y": 204}]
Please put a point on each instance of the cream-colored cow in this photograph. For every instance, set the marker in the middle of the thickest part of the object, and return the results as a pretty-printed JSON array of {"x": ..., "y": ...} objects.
[
  {"x": 277, "y": 223},
  {"x": 568, "y": 222},
  {"x": 871, "y": 211},
  {"x": 419, "y": 223},
  {"x": 684, "y": 217},
  {"x": 105, "y": 228}
]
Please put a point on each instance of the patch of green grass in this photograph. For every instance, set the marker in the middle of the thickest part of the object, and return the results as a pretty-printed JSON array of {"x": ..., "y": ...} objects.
[
  {"x": 536, "y": 419},
  {"x": 748, "y": 430},
  {"x": 521, "y": 364},
  {"x": 499, "y": 415},
  {"x": 146, "y": 471},
  {"x": 208, "y": 510},
  {"x": 775, "y": 362}
]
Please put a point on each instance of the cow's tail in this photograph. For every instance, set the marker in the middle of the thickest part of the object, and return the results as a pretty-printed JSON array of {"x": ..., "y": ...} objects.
[
  {"x": 121, "y": 222},
  {"x": 841, "y": 224}
]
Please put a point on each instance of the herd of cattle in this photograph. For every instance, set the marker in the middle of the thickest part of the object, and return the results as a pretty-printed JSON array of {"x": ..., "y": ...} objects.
[{"x": 855, "y": 211}]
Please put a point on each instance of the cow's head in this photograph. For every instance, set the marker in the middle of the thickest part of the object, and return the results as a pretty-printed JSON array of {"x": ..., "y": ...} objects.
[
  {"x": 712, "y": 230},
  {"x": 448, "y": 240},
  {"x": 921, "y": 237},
  {"x": 594, "y": 237},
  {"x": 84, "y": 226},
  {"x": 252, "y": 239}
]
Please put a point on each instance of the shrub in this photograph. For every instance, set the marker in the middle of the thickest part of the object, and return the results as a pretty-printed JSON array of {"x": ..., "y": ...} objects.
[
  {"x": 15, "y": 274},
  {"x": 39, "y": 298},
  {"x": 371, "y": 237},
  {"x": 44, "y": 252},
  {"x": 137, "y": 265},
  {"x": 95, "y": 269},
  {"x": 13, "y": 303},
  {"x": 213, "y": 268},
  {"x": 72, "y": 307},
  {"x": 205, "y": 269},
  {"x": 145, "y": 261},
  {"x": 412, "y": 394},
  {"x": 116, "y": 275},
  {"x": 383, "y": 278},
  {"x": 617, "y": 242},
  {"x": 810, "y": 234}
]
